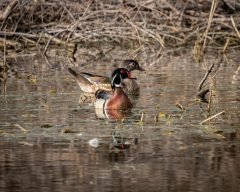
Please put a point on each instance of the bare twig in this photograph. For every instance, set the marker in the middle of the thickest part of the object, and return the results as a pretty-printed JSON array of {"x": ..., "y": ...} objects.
[
  {"x": 141, "y": 120},
  {"x": 4, "y": 68},
  {"x": 235, "y": 27},
  {"x": 180, "y": 107},
  {"x": 20, "y": 127},
  {"x": 208, "y": 119},
  {"x": 18, "y": 34},
  {"x": 213, "y": 8},
  {"x": 4, "y": 15},
  {"x": 210, "y": 99},
  {"x": 202, "y": 93},
  {"x": 205, "y": 77},
  {"x": 226, "y": 45}
]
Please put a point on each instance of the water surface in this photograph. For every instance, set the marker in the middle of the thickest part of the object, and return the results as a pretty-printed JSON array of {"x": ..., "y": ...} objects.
[{"x": 45, "y": 131}]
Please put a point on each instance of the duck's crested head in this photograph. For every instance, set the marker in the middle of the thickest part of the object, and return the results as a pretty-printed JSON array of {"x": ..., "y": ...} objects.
[
  {"x": 121, "y": 71},
  {"x": 118, "y": 75},
  {"x": 131, "y": 65}
]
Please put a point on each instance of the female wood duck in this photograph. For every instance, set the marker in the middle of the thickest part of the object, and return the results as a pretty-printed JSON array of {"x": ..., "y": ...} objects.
[
  {"x": 130, "y": 85},
  {"x": 116, "y": 100},
  {"x": 90, "y": 83}
]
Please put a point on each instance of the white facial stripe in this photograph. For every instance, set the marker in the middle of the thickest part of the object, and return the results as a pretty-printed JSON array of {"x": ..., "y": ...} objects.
[{"x": 117, "y": 85}]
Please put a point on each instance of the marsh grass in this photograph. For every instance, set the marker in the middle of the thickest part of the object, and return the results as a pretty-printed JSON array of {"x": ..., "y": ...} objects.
[{"x": 157, "y": 25}]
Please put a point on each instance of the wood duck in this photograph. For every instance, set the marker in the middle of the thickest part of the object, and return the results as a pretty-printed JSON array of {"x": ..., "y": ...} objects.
[
  {"x": 117, "y": 99},
  {"x": 90, "y": 83}
]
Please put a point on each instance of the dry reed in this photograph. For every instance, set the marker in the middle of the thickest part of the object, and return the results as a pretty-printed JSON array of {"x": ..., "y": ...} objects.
[{"x": 156, "y": 24}]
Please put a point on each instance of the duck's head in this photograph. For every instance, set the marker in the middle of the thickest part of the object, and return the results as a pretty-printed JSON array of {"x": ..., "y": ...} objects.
[
  {"x": 132, "y": 65},
  {"x": 118, "y": 75},
  {"x": 121, "y": 71}
]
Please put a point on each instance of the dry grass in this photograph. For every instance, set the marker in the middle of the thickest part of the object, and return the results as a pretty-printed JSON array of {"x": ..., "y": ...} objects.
[{"x": 159, "y": 25}]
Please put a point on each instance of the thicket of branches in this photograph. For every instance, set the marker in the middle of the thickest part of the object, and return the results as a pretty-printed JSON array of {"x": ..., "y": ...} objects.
[{"x": 161, "y": 23}]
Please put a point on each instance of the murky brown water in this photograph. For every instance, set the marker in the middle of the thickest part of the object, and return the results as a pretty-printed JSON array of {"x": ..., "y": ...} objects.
[{"x": 45, "y": 132}]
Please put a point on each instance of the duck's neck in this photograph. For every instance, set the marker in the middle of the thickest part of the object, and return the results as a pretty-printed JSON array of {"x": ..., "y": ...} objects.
[
  {"x": 121, "y": 96},
  {"x": 118, "y": 92}
]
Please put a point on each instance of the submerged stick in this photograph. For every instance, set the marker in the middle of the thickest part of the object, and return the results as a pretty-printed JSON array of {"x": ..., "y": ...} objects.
[
  {"x": 210, "y": 100},
  {"x": 5, "y": 76},
  {"x": 222, "y": 112},
  {"x": 180, "y": 107},
  {"x": 141, "y": 120},
  {"x": 201, "y": 93},
  {"x": 205, "y": 77},
  {"x": 20, "y": 127}
]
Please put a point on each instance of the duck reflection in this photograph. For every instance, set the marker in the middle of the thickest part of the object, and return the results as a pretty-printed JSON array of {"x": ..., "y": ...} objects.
[
  {"x": 122, "y": 142},
  {"x": 86, "y": 98},
  {"x": 121, "y": 147}
]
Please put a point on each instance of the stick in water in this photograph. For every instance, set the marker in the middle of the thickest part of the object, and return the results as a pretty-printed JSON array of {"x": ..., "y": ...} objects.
[{"x": 222, "y": 112}]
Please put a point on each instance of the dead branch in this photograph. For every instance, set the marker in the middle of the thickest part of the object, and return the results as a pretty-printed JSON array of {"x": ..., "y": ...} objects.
[
  {"x": 35, "y": 39},
  {"x": 4, "y": 14},
  {"x": 214, "y": 116},
  {"x": 235, "y": 27},
  {"x": 205, "y": 78},
  {"x": 150, "y": 23},
  {"x": 212, "y": 11},
  {"x": 202, "y": 93}
]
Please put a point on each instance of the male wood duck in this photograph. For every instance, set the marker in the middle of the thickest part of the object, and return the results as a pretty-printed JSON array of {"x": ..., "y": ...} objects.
[
  {"x": 90, "y": 83},
  {"x": 117, "y": 99}
]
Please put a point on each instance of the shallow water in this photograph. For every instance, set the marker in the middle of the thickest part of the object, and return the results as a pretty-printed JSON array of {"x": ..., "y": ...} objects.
[{"x": 45, "y": 132}]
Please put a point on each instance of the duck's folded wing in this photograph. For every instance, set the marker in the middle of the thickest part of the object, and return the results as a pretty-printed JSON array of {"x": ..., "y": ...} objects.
[
  {"x": 93, "y": 79},
  {"x": 102, "y": 94},
  {"x": 97, "y": 79}
]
